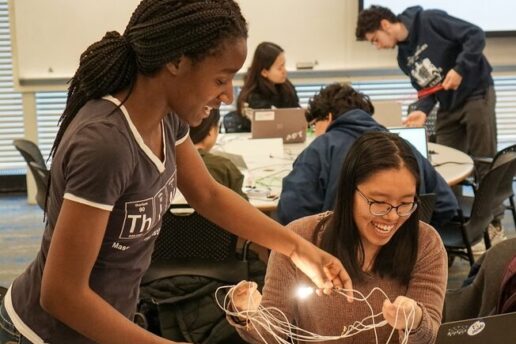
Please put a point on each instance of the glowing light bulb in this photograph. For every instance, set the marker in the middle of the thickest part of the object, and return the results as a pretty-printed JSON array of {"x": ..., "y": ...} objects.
[{"x": 304, "y": 292}]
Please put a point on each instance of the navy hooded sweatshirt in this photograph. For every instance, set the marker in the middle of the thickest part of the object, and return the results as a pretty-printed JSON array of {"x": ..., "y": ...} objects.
[
  {"x": 438, "y": 42},
  {"x": 311, "y": 186}
]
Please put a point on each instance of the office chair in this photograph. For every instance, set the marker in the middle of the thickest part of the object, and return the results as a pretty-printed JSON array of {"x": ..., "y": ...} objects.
[
  {"x": 468, "y": 229},
  {"x": 41, "y": 176},
  {"x": 29, "y": 150},
  {"x": 426, "y": 206},
  {"x": 480, "y": 297},
  {"x": 192, "y": 257},
  {"x": 505, "y": 188},
  {"x": 31, "y": 153},
  {"x": 234, "y": 123},
  {"x": 190, "y": 244}
]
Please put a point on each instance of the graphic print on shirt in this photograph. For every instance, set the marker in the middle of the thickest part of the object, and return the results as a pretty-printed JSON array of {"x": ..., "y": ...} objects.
[
  {"x": 424, "y": 72},
  {"x": 142, "y": 216}
]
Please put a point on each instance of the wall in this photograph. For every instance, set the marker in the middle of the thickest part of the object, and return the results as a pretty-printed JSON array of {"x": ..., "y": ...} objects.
[{"x": 48, "y": 37}]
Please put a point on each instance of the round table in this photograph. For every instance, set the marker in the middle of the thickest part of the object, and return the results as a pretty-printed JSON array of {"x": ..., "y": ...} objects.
[{"x": 452, "y": 164}]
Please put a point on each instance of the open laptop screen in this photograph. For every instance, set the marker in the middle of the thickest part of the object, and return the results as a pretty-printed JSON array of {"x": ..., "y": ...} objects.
[{"x": 416, "y": 136}]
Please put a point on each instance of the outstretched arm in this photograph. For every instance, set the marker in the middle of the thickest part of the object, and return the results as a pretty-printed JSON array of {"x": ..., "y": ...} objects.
[{"x": 228, "y": 210}]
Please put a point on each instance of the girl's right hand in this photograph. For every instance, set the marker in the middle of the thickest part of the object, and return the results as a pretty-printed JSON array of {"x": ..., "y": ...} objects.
[{"x": 246, "y": 297}]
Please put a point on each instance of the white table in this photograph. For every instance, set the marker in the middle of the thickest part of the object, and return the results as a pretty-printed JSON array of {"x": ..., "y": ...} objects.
[
  {"x": 269, "y": 160},
  {"x": 452, "y": 164}
]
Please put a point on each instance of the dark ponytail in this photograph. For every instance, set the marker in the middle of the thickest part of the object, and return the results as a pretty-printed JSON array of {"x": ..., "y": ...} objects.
[{"x": 159, "y": 32}]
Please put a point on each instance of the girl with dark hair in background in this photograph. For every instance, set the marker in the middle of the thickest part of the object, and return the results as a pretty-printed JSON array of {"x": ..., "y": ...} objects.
[
  {"x": 266, "y": 84},
  {"x": 121, "y": 150},
  {"x": 375, "y": 232}
]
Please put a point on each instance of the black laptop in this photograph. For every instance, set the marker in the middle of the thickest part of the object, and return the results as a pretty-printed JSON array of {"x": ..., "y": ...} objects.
[{"x": 495, "y": 329}]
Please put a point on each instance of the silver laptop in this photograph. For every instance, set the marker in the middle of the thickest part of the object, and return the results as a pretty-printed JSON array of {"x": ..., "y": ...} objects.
[
  {"x": 287, "y": 123},
  {"x": 387, "y": 113},
  {"x": 416, "y": 136},
  {"x": 495, "y": 329}
]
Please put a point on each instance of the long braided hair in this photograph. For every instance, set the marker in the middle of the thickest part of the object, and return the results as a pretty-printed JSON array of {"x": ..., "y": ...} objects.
[{"x": 159, "y": 32}]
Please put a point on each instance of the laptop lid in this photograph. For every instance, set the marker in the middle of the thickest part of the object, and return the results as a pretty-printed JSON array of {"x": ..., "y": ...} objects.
[
  {"x": 416, "y": 136},
  {"x": 287, "y": 123},
  {"x": 495, "y": 329},
  {"x": 387, "y": 113}
]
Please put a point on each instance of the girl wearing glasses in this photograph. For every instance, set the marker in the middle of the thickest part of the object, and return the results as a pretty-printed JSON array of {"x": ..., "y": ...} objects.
[{"x": 375, "y": 231}]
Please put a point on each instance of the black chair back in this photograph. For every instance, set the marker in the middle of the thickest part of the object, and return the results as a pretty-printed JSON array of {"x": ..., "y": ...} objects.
[
  {"x": 34, "y": 159},
  {"x": 29, "y": 150},
  {"x": 189, "y": 244},
  {"x": 426, "y": 206},
  {"x": 234, "y": 123},
  {"x": 492, "y": 191},
  {"x": 187, "y": 235},
  {"x": 459, "y": 236},
  {"x": 42, "y": 177}
]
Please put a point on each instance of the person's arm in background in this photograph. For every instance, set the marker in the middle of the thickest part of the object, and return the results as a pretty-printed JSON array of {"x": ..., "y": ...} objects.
[
  {"x": 469, "y": 36},
  {"x": 229, "y": 211},
  {"x": 303, "y": 189}
]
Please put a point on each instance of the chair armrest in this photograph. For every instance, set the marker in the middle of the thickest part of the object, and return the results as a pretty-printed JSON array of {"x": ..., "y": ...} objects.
[{"x": 483, "y": 160}]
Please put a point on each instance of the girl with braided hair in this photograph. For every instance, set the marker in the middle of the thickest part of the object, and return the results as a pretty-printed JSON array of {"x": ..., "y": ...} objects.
[{"x": 121, "y": 150}]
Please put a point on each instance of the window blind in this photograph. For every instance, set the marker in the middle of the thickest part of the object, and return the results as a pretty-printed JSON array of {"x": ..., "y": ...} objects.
[{"x": 11, "y": 114}]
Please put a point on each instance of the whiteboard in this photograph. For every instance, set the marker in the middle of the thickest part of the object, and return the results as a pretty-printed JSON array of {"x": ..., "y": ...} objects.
[{"x": 49, "y": 36}]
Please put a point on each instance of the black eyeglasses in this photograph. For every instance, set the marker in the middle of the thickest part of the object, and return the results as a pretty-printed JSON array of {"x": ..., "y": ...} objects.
[{"x": 377, "y": 208}]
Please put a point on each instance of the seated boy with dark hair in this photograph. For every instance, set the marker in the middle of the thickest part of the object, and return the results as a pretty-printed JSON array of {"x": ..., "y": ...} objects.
[{"x": 222, "y": 169}]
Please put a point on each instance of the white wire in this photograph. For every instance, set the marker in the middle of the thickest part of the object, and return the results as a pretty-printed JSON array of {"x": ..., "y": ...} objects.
[{"x": 274, "y": 322}]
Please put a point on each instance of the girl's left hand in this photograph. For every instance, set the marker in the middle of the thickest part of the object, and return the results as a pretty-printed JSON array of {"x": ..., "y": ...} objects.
[{"x": 408, "y": 311}]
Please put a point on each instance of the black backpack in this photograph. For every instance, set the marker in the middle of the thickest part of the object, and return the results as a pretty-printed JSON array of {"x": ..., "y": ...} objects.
[
  {"x": 184, "y": 308},
  {"x": 234, "y": 123}
]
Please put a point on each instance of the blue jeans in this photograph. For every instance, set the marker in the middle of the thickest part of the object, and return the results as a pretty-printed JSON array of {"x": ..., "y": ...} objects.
[{"x": 8, "y": 333}]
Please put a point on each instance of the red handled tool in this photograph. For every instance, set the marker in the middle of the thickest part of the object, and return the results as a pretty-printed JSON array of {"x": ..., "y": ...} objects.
[{"x": 430, "y": 90}]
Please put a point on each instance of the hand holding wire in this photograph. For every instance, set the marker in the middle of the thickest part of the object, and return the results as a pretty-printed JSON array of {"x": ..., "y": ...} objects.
[
  {"x": 403, "y": 313},
  {"x": 243, "y": 303},
  {"x": 245, "y": 297}
]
